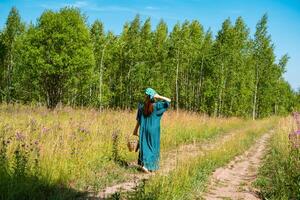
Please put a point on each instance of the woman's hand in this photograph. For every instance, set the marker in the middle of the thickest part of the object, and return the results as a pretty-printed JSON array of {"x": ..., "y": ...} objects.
[{"x": 135, "y": 132}]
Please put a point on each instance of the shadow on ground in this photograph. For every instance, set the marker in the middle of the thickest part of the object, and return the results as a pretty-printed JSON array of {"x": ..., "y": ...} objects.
[{"x": 25, "y": 187}]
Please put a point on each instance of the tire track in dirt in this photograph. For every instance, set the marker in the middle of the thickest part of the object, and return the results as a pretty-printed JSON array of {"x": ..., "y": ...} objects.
[
  {"x": 169, "y": 162},
  {"x": 234, "y": 180}
]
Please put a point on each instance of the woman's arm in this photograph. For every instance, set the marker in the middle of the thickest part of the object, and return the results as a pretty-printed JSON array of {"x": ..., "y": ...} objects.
[
  {"x": 157, "y": 96},
  {"x": 135, "y": 132}
]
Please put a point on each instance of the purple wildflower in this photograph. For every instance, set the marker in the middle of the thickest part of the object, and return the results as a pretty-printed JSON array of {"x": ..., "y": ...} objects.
[
  {"x": 20, "y": 136},
  {"x": 296, "y": 116},
  {"x": 83, "y": 130},
  {"x": 45, "y": 130},
  {"x": 294, "y": 138}
]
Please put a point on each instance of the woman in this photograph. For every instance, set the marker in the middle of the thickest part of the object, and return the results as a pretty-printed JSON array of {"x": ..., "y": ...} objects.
[{"x": 148, "y": 123}]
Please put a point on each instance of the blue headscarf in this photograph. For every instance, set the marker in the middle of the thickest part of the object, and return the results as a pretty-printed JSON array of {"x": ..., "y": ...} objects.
[{"x": 150, "y": 92}]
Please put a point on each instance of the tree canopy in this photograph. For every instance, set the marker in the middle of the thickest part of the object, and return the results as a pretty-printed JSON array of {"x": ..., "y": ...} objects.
[
  {"x": 56, "y": 59},
  {"x": 60, "y": 59}
]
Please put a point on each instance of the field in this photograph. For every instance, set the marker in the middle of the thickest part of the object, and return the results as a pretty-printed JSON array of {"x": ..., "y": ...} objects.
[
  {"x": 73, "y": 72},
  {"x": 73, "y": 153}
]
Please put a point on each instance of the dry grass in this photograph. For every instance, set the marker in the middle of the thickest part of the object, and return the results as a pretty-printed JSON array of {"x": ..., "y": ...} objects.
[
  {"x": 279, "y": 176},
  {"x": 74, "y": 148}
]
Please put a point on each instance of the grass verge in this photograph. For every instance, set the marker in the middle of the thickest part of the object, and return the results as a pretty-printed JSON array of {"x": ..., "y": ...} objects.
[{"x": 279, "y": 176}]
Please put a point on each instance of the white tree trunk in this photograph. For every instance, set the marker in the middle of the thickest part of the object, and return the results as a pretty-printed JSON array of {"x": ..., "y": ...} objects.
[
  {"x": 9, "y": 74},
  {"x": 100, "y": 79},
  {"x": 255, "y": 96},
  {"x": 222, "y": 84},
  {"x": 177, "y": 71}
]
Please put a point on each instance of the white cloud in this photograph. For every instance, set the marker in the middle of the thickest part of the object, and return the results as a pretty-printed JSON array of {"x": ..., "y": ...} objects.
[
  {"x": 111, "y": 9},
  {"x": 51, "y": 6},
  {"x": 148, "y": 11},
  {"x": 151, "y": 8},
  {"x": 79, "y": 4}
]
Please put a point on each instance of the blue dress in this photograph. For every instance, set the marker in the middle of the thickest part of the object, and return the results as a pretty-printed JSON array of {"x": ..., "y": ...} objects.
[{"x": 149, "y": 135}]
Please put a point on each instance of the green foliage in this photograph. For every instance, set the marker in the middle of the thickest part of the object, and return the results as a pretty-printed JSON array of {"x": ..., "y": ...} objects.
[
  {"x": 100, "y": 89},
  {"x": 297, "y": 100},
  {"x": 279, "y": 177},
  {"x": 57, "y": 55},
  {"x": 12, "y": 30},
  {"x": 59, "y": 60}
]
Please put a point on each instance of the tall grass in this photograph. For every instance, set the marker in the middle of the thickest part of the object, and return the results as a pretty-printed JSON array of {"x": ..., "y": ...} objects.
[
  {"x": 44, "y": 151},
  {"x": 279, "y": 176},
  {"x": 189, "y": 180}
]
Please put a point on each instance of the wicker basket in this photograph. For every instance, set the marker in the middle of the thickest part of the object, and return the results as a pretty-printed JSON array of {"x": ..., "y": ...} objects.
[{"x": 132, "y": 145}]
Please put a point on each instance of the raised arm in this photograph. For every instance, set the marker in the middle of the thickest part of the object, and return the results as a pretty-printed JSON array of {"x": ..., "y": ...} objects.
[{"x": 157, "y": 96}]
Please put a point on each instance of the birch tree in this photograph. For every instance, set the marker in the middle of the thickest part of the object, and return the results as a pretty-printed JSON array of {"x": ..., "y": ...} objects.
[{"x": 13, "y": 28}]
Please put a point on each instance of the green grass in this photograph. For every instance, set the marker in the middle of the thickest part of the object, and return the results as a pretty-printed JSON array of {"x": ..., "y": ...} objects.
[
  {"x": 279, "y": 176},
  {"x": 63, "y": 153},
  {"x": 189, "y": 180},
  {"x": 45, "y": 151}
]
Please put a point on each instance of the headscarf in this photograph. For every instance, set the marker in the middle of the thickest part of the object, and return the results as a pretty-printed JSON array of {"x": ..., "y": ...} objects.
[{"x": 150, "y": 92}]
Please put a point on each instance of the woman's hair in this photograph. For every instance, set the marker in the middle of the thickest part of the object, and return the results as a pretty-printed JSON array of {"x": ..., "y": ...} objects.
[{"x": 148, "y": 107}]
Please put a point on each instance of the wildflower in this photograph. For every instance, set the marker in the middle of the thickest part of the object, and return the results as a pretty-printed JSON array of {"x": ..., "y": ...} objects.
[
  {"x": 19, "y": 136},
  {"x": 297, "y": 119},
  {"x": 115, "y": 135},
  {"x": 294, "y": 138},
  {"x": 83, "y": 130},
  {"x": 45, "y": 130}
]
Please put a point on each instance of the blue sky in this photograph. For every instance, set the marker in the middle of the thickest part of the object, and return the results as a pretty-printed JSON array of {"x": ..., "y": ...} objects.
[{"x": 284, "y": 17}]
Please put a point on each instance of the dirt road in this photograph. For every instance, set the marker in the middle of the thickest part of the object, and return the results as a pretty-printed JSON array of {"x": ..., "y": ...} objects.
[
  {"x": 169, "y": 162},
  {"x": 234, "y": 180},
  {"x": 230, "y": 182}
]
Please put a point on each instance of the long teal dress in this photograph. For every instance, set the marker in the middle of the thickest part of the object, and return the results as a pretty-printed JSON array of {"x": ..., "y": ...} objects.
[{"x": 149, "y": 135}]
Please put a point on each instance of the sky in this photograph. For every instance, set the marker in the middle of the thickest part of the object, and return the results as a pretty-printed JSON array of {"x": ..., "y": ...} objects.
[{"x": 284, "y": 18}]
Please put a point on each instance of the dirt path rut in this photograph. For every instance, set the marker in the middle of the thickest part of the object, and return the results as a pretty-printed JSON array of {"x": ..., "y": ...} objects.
[
  {"x": 234, "y": 180},
  {"x": 170, "y": 161}
]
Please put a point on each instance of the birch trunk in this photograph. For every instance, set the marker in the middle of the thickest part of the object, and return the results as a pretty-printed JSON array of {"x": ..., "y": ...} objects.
[
  {"x": 219, "y": 107},
  {"x": 255, "y": 96},
  {"x": 100, "y": 79},
  {"x": 200, "y": 84},
  {"x": 177, "y": 70}
]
